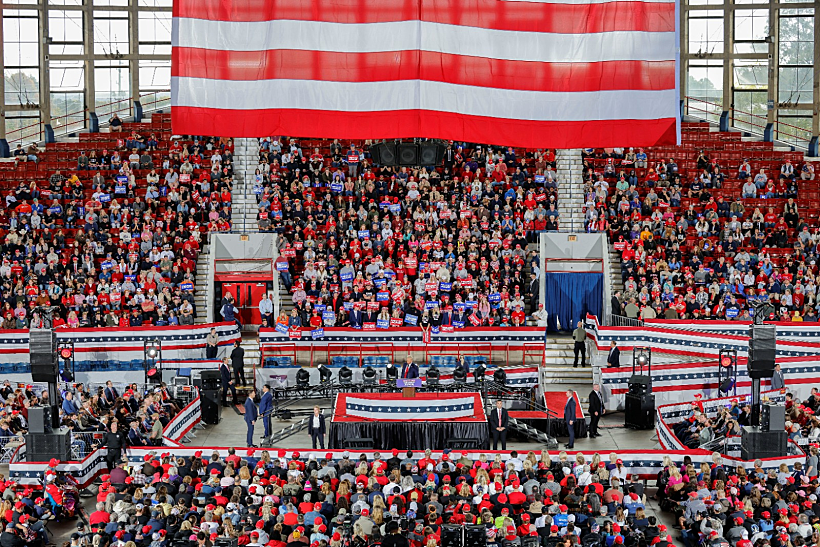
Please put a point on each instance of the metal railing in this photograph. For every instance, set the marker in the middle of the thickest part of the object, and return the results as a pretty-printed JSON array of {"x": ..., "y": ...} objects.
[
  {"x": 8, "y": 445},
  {"x": 84, "y": 442},
  {"x": 614, "y": 320},
  {"x": 72, "y": 122}
]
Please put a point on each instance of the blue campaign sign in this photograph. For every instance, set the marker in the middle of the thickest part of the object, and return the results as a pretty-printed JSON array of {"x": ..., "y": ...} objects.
[
  {"x": 731, "y": 312},
  {"x": 105, "y": 198},
  {"x": 346, "y": 276},
  {"x": 336, "y": 187},
  {"x": 430, "y": 304},
  {"x": 458, "y": 306},
  {"x": 119, "y": 189},
  {"x": 540, "y": 178},
  {"x": 458, "y": 324},
  {"x": 382, "y": 296},
  {"x": 364, "y": 233},
  {"x": 281, "y": 328},
  {"x": 411, "y": 319},
  {"x": 379, "y": 282},
  {"x": 389, "y": 273},
  {"x": 348, "y": 306},
  {"x": 444, "y": 287},
  {"x": 317, "y": 333},
  {"x": 434, "y": 329},
  {"x": 320, "y": 307},
  {"x": 382, "y": 323},
  {"x": 494, "y": 297},
  {"x": 472, "y": 304},
  {"x": 122, "y": 179},
  {"x": 328, "y": 315},
  {"x": 187, "y": 286},
  {"x": 107, "y": 264},
  {"x": 395, "y": 208},
  {"x": 56, "y": 210},
  {"x": 281, "y": 266},
  {"x": 130, "y": 277}
]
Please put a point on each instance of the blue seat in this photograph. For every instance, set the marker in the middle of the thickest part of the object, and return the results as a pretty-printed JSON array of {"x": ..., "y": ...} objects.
[
  {"x": 184, "y": 372},
  {"x": 375, "y": 360}
]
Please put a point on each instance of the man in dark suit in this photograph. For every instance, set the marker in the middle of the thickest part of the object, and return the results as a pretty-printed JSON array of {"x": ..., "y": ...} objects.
[
  {"x": 614, "y": 357},
  {"x": 110, "y": 394},
  {"x": 596, "y": 410},
  {"x": 238, "y": 363},
  {"x": 498, "y": 424},
  {"x": 569, "y": 418},
  {"x": 615, "y": 304},
  {"x": 251, "y": 413},
  {"x": 355, "y": 318},
  {"x": 227, "y": 382},
  {"x": 409, "y": 369},
  {"x": 533, "y": 289},
  {"x": 265, "y": 408},
  {"x": 316, "y": 428}
]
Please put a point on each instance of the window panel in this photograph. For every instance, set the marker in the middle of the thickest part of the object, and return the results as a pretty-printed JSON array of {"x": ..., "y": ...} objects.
[
  {"x": 23, "y": 127},
  {"x": 706, "y": 35},
  {"x": 68, "y": 112},
  {"x": 22, "y": 86},
  {"x": 110, "y": 33},
  {"x": 796, "y": 40},
  {"x": 155, "y": 76},
  {"x": 795, "y": 85},
  {"x": 751, "y": 24},
  {"x": 20, "y": 45},
  {"x": 113, "y": 89},
  {"x": 67, "y": 75},
  {"x": 65, "y": 26}
]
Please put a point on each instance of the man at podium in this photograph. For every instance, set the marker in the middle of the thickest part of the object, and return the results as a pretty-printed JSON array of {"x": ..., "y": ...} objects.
[{"x": 409, "y": 369}]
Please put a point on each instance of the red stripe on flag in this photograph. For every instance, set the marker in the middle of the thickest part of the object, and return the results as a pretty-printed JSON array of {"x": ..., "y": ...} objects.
[
  {"x": 490, "y": 14},
  {"x": 424, "y": 65},
  {"x": 414, "y": 123}
]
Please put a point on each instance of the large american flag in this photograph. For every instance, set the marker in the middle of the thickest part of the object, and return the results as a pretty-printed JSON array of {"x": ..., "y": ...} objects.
[{"x": 559, "y": 73}]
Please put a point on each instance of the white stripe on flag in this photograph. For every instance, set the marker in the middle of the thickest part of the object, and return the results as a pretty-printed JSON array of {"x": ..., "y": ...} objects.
[
  {"x": 412, "y": 95},
  {"x": 414, "y": 35}
]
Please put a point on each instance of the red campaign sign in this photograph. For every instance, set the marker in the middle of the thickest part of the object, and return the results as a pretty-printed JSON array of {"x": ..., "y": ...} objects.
[
  {"x": 444, "y": 214},
  {"x": 185, "y": 177},
  {"x": 369, "y": 326},
  {"x": 466, "y": 214},
  {"x": 467, "y": 283},
  {"x": 410, "y": 262},
  {"x": 288, "y": 253},
  {"x": 298, "y": 245},
  {"x": 437, "y": 245},
  {"x": 372, "y": 305},
  {"x": 398, "y": 295},
  {"x": 506, "y": 243},
  {"x": 426, "y": 245},
  {"x": 396, "y": 321},
  {"x": 434, "y": 265},
  {"x": 295, "y": 334},
  {"x": 419, "y": 226},
  {"x": 447, "y": 328},
  {"x": 475, "y": 320},
  {"x": 620, "y": 245},
  {"x": 540, "y": 197},
  {"x": 263, "y": 214},
  {"x": 485, "y": 225},
  {"x": 431, "y": 287},
  {"x": 358, "y": 306}
]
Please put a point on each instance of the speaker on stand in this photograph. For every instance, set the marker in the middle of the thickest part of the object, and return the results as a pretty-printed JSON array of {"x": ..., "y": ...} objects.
[
  {"x": 639, "y": 404},
  {"x": 210, "y": 395}
]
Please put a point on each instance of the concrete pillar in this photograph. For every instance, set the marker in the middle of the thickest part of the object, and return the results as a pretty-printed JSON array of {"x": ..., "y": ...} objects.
[
  {"x": 815, "y": 113},
  {"x": 4, "y": 144},
  {"x": 89, "y": 80},
  {"x": 133, "y": 63},
  {"x": 45, "y": 79},
  {"x": 774, "y": 66},
  {"x": 728, "y": 68}
]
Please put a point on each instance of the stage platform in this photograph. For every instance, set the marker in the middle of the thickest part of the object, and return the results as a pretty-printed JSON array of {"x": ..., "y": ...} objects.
[
  {"x": 555, "y": 401},
  {"x": 428, "y": 420}
]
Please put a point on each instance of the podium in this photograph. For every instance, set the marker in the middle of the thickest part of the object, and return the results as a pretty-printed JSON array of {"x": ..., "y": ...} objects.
[{"x": 408, "y": 386}]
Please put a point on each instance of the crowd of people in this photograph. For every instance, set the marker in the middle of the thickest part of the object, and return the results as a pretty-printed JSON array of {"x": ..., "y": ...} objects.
[
  {"x": 688, "y": 250},
  {"x": 115, "y": 241},
  {"x": 405, "y": 246}
]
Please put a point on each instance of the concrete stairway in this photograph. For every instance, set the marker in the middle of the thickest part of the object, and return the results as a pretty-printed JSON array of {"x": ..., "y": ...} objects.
[
  {"x": 615, "y": 272},
  {"x": 203, "y": 274},
  {"x": 243, "y": 213},
  {"x": 569, "y": 171},
  {"x": 558, "y": 367}
]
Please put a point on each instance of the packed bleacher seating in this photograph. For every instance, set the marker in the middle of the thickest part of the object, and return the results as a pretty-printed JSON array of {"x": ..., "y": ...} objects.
[
  {"x": 707, "y": 227},
  {"x": 376, "y": 240},
  {"x": 108, "y": 229}
]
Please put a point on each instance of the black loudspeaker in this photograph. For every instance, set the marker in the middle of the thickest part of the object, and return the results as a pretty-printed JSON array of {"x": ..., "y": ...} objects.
[
  {"x": 756, "y": 443},
  {"x": 40, "y": 419},
  {"x": 762, "y": 349},
  {"x": 41, "y": 447},
  {"x": 772, "y": 417},
  {"x": 42, "y": 344},
  {"x": 640, "y": 384},
  {"x": 210, "y": 406},
  {"x": 383, "y": 153},
  {"x": 430, "y": 153},
  {"x": 639, "y": 411},
  {"x": 209, "y": 379},
  {"x": 408, "y": 154}
]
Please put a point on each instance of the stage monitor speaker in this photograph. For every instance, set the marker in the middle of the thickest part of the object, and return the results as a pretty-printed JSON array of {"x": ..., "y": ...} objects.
[
  {"x": 210, "y": 406},
  {"x": 383, "y": 153},
  {"x": 209, "y": 379},
  {"x": 640, "y": 383},
  {"x": 408, "y": 154},
  {"x": 41, "y": 419},
  {"x": 756, "y": 443},
  {"x": 762, "y": 350},
  {"x": 43, "y": 355},
  {"x": 41, "y": 447},
  {"x": 773, "y": 417},
  {"x": 430, "y": 153},
  {"x": 639, "y": 411}
]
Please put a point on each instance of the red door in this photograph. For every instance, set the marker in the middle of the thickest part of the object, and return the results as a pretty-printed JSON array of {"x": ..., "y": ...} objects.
[
  {"x": 235, "y": 290},
  {"x": 256, "y": 291}
]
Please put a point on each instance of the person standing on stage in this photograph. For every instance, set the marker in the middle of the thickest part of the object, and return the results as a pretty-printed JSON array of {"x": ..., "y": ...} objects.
[
  {"x": 498, "y": 422},
  {"x": 596, "y": 410},
  {"x": 316, "y": 428},
  {"x": 238, "y": 363},
  {"x": 778, "y": 380},
  {"x": 409, "y": 369},
  {"x": 569, "y": 418},
  {"x": 114, "y": 441},
  {"x": 614, "y": 357},
  {"x": 251, "y": 414},
  {"x": 265, "y": 408},
  {"x": 227, "y": 382},
  {"x": 580, "y": 337}
]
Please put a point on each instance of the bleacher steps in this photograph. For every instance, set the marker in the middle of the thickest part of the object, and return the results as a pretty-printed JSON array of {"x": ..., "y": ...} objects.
[
  {"x": 201, "y": 298},
  {"x": 569, "y": 171}
]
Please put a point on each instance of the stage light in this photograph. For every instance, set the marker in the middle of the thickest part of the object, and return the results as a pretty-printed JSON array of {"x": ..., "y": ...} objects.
[
  {"x": 459, "y": 375},
  {"x": 433, "y": 376},
  {"x": 727, "y": 385},
  {"x": 369, "y": 376},
  {"x": 65, "y": 349},
  {"x": 66, "y": 353},
  {"x": 452, "y": 535},
  {"x": 152, "y": 360},
  {"x": 392, "y": 372},
  {"x": 152, "y": 373},
  {"x": 500, "y": 377},
  {"x": 475, "y": 535},
  {"x": 641, "y": 358},
  {"x": 345, "y": 376},
  {"x": 480, "y": 372},
  {"x": 325, "y": 374},
  {"x": 302, "y": 378}
]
